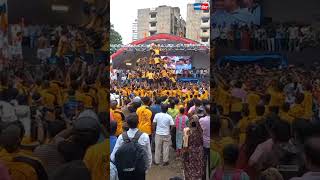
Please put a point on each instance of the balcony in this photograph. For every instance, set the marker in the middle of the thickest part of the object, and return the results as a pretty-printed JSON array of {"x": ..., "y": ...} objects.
[
  {"x": 154, "y": 19},
  {"x": 205, "y": 43},
  {"x": 205, "y": 15},
  {"x": 205, "y": 34},
  {"x": 205, "y": 25},
  {"x": 152, "y": 28}
]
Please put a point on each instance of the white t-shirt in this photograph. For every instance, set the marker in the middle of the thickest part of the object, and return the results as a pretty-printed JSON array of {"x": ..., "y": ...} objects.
[{"x": 164, "y": 121}]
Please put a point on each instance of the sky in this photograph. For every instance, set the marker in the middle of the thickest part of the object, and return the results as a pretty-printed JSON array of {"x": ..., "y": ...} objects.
[{"x": 123, "y": 13}]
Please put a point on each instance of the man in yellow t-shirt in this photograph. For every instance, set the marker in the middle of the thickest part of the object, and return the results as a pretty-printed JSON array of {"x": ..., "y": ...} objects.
[
  {"x": 145, "y": 116},
  {"x": 117, "y": 116},
  {"x": 307, "y": 103},
  {"x": 225, "y": 100},
  {"x": 277, "y": 97},
  {"x": 297, "y": 110},
  {"x": 97, "y": 160},
  {"x": 252, "y": 100}
]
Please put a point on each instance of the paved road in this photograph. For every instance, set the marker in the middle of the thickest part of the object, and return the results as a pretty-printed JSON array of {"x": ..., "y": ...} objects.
[{"x": 166, "y": 172}]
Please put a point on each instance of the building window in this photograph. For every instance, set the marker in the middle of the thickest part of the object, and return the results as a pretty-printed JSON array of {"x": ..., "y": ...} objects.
[
  {"x": 205, "y": 11},
  {"x": 205, "y": 30},
  {"x": 153, "y": 33},
  {"x": 153, "y": 15},
  {"x": 204, "y": 39},
  {"x": 153, "y": 24},
  {"x": 205, "y": 20}
]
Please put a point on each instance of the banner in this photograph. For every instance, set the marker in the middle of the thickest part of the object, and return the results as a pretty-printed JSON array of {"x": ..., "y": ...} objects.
[{"x": 4, "y": 45}]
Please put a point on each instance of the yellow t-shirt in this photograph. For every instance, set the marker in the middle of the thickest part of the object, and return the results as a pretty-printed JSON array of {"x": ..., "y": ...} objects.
[
  {"x": 150, "y": 75},
  {"x": 145, "y": 121},
  {"x": 307, "y": 104},
  {"x": 156, "y": 60},
  {"x": 253, "y": 100},
  {"x": 79, "y": 96},
  {"x": 157, "y": 51},
  {"x": 286, "y": 117},
  {"x": 256, "y": 119},
  {"x": 242, "y": 125},
  {"x": 48, "y": 99},
  {"x": 225, "y": 101},
  {"x": 164, "y": 73},
  {"x": 88, "y": 100},
  {"x": 297, "y": 111},
  {"x": 118, "y": 118},
  {"x": 97, "y": 160},
  {"x": 56, "y": 89},
  {"x": 27, "y": 172},
  {"x": 277, "y": 99},
  {"x": 218, "y": 145},
  {"x": 136, "y": 92}
]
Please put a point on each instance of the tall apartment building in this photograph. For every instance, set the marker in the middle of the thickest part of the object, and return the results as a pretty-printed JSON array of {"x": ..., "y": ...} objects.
[
  {"x": 163, "y": 19},
  {"x": 135, "y": 30},
  {"x": 198, "y": 24}
]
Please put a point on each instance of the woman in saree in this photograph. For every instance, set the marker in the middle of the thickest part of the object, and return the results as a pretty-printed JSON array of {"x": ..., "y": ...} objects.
[{"x": 193, "y": 156}]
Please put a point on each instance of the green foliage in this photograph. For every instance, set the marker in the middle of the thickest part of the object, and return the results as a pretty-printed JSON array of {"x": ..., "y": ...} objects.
[{"x": 115, "y": 39}]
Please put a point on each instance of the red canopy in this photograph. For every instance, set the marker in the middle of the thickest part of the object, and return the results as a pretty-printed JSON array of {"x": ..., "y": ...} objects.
[{"x": 156, "y": 37}]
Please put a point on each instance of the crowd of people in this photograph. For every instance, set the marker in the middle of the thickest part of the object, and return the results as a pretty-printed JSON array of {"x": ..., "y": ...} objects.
[
  {"x": 153, "y": 108},
  {"x": 59, "y": 43},
  {"x": 270, "y": 37},
  {"x": 54, "y": 115},
  {"x": 54, "y": 122},
  {"x": 266, "y": 123}
]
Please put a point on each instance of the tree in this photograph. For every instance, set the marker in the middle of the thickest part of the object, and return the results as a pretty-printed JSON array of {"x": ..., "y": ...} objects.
[{"x": 115, "y": 40}]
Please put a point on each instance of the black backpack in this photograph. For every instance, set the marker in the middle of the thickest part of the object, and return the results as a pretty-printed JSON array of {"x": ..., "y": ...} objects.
[{"x": 131, "y": 156}]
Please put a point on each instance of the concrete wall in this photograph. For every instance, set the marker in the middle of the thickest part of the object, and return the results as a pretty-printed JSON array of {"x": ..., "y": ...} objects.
[
  {"x": 39, "y": 11},
  {"x": 164, "y": 21},
  {"x": 193, "y": 23},
  {"x": 307, "y": 11},
  {"x": 143, "y": 23}
]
